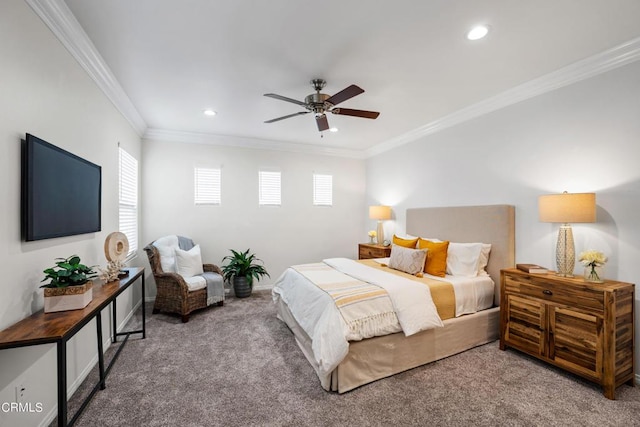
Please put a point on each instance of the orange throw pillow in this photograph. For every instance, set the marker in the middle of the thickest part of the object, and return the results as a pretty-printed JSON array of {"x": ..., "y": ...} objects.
[
  {"x": 436, "y": 263},
  {"x": 405, "y": 243}
]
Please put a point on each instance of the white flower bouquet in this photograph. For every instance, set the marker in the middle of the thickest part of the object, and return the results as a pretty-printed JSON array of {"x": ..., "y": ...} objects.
[{"x": 592, "y": 259}]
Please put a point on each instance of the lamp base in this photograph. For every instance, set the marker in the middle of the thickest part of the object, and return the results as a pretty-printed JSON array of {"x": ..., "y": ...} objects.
[
  {"x": 380, "y": 233},
  {"x": 565, "y": 252}
]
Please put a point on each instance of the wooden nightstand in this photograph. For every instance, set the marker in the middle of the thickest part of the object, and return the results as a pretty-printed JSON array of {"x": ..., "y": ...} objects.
[
  {"x": 585, "y": 328},
  {"x": 372, "y": 250}
]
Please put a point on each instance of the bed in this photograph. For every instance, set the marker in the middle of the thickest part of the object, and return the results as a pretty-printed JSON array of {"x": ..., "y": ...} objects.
[{"x": 370, "y": 359}]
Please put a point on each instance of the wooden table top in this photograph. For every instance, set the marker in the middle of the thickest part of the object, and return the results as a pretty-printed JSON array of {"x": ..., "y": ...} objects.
[{"x": 43, "y": 328}]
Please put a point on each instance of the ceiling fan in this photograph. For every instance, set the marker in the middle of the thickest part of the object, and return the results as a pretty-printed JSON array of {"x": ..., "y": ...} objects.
[{"x": 320, "y": 104}]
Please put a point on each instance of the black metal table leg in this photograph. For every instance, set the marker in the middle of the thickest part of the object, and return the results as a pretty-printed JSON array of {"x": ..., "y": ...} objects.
[
  {"x": 62, "y": 382},
  {"x": 114, "y": 337},
  {"x": 144, "y": 323},
  {"x": 100, "y": 352}
]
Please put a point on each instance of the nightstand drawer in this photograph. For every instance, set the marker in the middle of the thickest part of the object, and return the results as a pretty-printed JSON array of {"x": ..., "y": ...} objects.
[
  {"x": 367, "y": 251},
  {"x": 574, "y": 296}
]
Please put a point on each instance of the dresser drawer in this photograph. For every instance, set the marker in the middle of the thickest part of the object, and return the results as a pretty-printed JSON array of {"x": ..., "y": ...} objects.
[
  {"x": 370, "y": 251},
  {"x": 560, "y": 293}
]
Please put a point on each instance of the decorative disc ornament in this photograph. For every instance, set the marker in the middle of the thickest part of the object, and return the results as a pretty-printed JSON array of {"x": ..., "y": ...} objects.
[{"x": 116, "y": 246}]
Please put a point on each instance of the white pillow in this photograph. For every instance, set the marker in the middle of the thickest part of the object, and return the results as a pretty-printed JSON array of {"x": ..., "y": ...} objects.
[
  {"x": 484, "y": 259},
  {"x": 409, "y": 260},
  {"x": 463, "y": 259},
  {"x": 166, "y": 247},
  {"x": 189, "y": 263}
]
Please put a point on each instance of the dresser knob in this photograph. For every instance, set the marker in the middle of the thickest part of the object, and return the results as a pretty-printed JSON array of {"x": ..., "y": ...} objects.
[{"x": 547, "y": 292}]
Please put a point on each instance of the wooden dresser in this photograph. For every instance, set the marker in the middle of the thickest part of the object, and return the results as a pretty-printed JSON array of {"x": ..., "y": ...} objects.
[
  {"x": 585, "y": 328},
  {"x": 372, "y": 250}
]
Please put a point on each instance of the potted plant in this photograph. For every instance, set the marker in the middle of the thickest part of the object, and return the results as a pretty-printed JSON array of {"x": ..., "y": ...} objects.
[
  {"x": 69, "y": 286},
  {"x": 241, "y": 270}
]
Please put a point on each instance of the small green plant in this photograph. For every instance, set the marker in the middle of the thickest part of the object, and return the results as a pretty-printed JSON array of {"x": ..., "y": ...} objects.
[
  {"x": 243, "y": 264},
  {"x": 68, "y": 272}
]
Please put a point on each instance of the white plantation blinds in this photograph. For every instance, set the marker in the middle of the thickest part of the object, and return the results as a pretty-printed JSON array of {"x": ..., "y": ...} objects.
[
  {"x": 128, "y": 199},
  {"x": 322, "y": 190},
  {"x": 269, "y": 188},
  {"x": 207, "y": 186}
]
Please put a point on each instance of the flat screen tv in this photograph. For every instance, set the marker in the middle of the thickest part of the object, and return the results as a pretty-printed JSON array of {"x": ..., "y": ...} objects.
[{"x": 61, "y": 192}]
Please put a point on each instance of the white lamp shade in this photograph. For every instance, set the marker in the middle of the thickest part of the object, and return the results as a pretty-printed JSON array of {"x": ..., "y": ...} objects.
[
  {"x": 380, "y": 212},
  {"x": 567, "y": 207}
]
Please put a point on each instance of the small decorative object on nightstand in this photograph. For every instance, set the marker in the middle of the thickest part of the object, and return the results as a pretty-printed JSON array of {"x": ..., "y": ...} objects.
[
  {"x": 372, "y": 237},
  {"x": 581, "y": 327},
  {"x": 368, "y": 250}
]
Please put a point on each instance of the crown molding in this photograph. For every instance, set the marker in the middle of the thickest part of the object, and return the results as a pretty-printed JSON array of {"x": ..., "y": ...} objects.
[
  {"x": 61, "y": 21},
  {"x": 153, "y": 134},
  {"x": 610, "y": 59},
  {"x": 64, "y": 25}
]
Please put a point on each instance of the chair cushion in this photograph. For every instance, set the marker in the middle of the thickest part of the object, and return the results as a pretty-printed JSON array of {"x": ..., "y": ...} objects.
[
  {"x": 189, "y": 263},
  {"x": 195, "y": 283},
  {"x": 167, "y": 250}
]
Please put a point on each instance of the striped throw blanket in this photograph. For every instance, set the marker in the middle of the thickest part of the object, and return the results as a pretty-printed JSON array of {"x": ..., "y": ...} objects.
[
  {"x": 373, "y": 302},
  {"x": 365, "y": 308}
]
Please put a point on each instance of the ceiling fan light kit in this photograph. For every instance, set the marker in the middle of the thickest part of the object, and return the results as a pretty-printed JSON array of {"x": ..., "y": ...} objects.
[{"x": 320, "y": 104}]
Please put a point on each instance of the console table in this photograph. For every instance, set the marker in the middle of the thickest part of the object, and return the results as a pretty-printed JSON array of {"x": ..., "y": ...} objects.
[{"x": 60, "y": 327}]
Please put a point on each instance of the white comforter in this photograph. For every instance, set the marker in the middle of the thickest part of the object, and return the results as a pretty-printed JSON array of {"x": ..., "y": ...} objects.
[{"x": 316, "y": 313}]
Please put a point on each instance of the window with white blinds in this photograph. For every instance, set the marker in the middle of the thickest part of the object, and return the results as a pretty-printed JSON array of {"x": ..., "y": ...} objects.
[
  {"x": 207, "y": 186},
  {"x": 128, "y": 199},
  {"x": 269, "y": 188},
  {"x": 322, "y": 190}
]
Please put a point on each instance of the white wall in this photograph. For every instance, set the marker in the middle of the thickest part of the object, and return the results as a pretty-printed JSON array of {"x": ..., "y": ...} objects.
[
  {"x": 581, "y": 138},
  {"x": 296, "y": 232},
  {"x": 45, "y": 92}
]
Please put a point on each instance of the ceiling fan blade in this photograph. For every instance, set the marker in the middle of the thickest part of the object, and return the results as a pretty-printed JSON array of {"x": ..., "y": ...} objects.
[
  {"x": 322, "y": 122},
  {"x": 286, "y": 117},
  {"x": 356, "y": 113},
  {"x": 284, "y": 98},
  {"x": 344, "y": 94}
]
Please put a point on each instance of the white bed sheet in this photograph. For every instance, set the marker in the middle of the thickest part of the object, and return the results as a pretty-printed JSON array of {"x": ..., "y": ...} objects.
[{"x": 472, "y": 293}]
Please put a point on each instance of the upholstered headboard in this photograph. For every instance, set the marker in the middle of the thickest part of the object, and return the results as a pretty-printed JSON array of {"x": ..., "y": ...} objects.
[{"x": 493, "y": 224}]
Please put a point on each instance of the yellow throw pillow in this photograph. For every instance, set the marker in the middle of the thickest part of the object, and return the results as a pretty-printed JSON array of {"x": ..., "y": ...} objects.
[
  {"x": 436, "y": 264},
  {"x": 405, "y": 243}
]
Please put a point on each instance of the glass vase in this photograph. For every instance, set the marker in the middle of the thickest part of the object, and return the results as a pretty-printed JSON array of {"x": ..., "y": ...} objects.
[
  {"x": 372, "y": 240},
  {"x": 594, "y": 274}
]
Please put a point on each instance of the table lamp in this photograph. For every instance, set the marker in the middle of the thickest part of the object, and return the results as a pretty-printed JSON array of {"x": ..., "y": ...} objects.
[
  {"x": 381, "y": 213},
  {"x": 566, "y": 208}
]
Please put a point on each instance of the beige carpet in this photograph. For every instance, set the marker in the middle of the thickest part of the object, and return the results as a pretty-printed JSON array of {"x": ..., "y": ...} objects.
[{"x": 238, "y": 365}]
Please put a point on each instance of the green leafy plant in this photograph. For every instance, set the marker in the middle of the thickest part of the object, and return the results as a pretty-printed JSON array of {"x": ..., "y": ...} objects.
[
  {"x": 68, "y": 272},
  {"x": 243, "y": 264}
]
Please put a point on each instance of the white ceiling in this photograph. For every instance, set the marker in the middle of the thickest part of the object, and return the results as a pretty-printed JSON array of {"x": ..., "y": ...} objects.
[{"x": 175, "y": 58}]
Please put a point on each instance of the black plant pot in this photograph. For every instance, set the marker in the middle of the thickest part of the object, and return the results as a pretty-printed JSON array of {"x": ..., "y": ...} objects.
[{"x": 242, "y": 287}]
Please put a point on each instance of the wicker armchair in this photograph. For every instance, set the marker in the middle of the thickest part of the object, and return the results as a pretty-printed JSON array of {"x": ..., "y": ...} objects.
[{"x": 173, "y": 294}]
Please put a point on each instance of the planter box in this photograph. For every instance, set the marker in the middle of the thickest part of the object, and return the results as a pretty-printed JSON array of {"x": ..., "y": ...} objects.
[{"x": 69, "y": 298}]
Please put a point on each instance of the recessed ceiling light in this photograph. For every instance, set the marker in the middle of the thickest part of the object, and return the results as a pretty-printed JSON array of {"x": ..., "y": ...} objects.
[
  {"x": 333, "y": 129},
  {"x": 209, "y": 112},
  {"x": 478, "y": 32}
]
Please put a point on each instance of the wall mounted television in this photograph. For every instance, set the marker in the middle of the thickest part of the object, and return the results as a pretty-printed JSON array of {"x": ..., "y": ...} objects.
[{"x": 61, "y": 192}]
